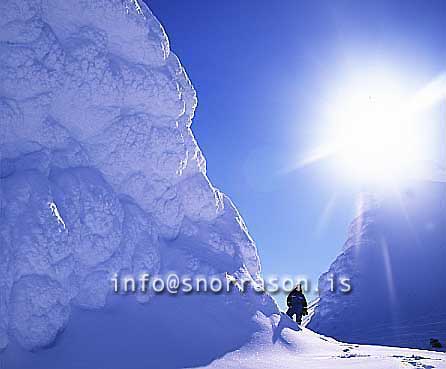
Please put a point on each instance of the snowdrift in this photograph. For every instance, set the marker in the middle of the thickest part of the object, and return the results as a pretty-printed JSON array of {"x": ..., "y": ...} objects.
[{"x": 280, "y": 344}]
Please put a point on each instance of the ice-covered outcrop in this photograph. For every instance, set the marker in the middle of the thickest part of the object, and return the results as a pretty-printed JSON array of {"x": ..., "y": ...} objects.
[
  {"x": 395, "y": 257},
  {"x": 100, "y": 172}
]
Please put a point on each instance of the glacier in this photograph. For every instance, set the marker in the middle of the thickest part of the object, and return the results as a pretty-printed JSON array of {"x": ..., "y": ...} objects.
[{"x": 100, "y": 174}]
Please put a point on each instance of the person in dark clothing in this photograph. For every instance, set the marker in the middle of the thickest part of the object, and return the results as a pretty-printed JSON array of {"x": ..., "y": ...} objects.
[{"x": 297, "y": 304}]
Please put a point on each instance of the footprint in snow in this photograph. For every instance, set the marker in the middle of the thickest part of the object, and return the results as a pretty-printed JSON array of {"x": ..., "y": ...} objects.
[{"x": 415, "y": 361}]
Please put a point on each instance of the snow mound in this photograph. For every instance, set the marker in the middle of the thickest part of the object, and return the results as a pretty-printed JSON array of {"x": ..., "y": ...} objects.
[
  {"x": 100, "y": 174},
  {"x": 395, "y": 257},
  {"x": 280, "y": 344}
]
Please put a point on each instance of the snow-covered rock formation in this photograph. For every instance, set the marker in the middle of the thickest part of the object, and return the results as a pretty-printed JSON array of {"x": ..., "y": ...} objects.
[
  {"x": 395, "y": 257},
  {"x": 100, "y": 173}
]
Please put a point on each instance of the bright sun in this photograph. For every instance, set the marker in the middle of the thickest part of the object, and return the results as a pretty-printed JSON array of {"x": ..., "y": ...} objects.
[
  {"x": 372, "y": 134},
  {"x": 376, "y": 129}
]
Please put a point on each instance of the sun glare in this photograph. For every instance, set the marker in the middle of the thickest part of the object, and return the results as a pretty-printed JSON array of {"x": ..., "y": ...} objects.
[
  {"x": 378, "y": 127},
  {"x": 373, "y": 136}
]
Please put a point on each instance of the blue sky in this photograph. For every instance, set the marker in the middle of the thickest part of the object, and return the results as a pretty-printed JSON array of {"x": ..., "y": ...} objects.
[{"x": 263, "y": 71}]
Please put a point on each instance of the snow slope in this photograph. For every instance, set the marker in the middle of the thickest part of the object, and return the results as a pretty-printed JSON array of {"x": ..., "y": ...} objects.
[
  {"x": 395, "y": 256},
  {"x": 281, "y": 344}
]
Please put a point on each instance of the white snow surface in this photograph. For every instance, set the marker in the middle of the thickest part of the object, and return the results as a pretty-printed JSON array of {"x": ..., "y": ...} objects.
[
  {"x": 281, "y": 344},
  {"x": 100, "y": 173}
]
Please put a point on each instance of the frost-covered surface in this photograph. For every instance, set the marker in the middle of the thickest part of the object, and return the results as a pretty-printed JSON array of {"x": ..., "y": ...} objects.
[
  {"x": 100, "y": 173},
  {"x": 279, "y": 344},
  {"x": 396, "y": 258}
]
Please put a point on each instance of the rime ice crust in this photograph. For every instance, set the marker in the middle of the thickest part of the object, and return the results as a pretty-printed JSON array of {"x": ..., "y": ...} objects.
[{"x": 95, "y": 121}]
